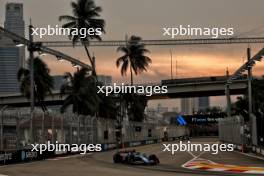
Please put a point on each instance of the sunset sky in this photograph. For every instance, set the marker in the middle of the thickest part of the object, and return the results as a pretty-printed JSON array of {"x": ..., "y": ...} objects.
[{"x": 146, "y": 18}]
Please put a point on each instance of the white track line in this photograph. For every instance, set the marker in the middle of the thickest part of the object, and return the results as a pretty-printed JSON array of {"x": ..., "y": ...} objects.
[
  {"x": 193, "y": 155},
  {"x": 196, "y": 157},
  {"x": 66, "y": 157}
]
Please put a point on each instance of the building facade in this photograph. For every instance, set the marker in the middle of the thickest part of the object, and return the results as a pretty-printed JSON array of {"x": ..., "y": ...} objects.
[
  {"x": 105, "y": 80},
  {"x": 189, "y": 106},
  {"x": 11, "y": 57},
  {"x": 204, "y": 103}
]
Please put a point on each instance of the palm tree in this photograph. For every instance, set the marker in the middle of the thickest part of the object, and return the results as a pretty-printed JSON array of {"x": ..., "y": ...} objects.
[
  {"x": 134, "y": 57},
  {"x": 85, "y": 15},
  {"x": 43, "y": 84},
  {"x": 107, "y": 107},
  {"x": 43, "y": 81},
  {"x": 136, "y": 106},
  {"x": 82, "y": 94}
]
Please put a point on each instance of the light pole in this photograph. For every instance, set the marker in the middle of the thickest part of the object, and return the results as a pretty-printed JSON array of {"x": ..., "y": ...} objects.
[
  {"x": 249, "y": 87},
  {"x": 252, "y": 117},
  {"x": 227, "y": 92},
  {"x": 31, "y": 57},
  {"x": 228, "y": 100}
]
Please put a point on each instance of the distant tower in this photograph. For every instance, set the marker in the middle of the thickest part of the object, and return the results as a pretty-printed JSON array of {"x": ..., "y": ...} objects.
[
  {"x": 189, "y": 106},
  {"x": 105, "y": 80},
  {"x": 14, "y": 18},
  {"x": 12, "y": 58},
  {"x": 204, "y": 103}
]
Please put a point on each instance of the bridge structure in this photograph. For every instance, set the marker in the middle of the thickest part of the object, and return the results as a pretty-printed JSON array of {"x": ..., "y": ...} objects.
[
  {"x": 164, "y": 42},
  {"x": 177, "y": 88}
]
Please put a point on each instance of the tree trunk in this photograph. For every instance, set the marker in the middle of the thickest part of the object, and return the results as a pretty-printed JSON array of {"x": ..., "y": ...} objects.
[
  {"x": 92, "y": 61},
  {"x": 78, "y": 130},
  {"x": 88, "y": 53},
  {"x": 43, "y": 128},
  {"x": 131, "y": 75}
]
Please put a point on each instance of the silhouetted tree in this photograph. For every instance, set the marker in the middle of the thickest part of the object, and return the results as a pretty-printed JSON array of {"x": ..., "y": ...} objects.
[
  {"x": 134, "y": 57},
  {"x": 43, "y": 81},
  {"x": 85, "y": 15}
]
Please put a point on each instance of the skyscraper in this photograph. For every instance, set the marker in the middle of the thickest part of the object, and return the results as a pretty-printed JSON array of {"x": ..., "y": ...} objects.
[
  {"x": 11, "y": 58},
  {"x": 14, "y": 18},
  {"x": 204, "y": 103},
  {"x": 189, "y": 105},
  {"x": 105, "y": 80}
]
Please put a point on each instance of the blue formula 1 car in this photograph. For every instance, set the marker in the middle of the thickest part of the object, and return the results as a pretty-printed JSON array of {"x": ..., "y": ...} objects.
[{"x": 135, "y": 158}]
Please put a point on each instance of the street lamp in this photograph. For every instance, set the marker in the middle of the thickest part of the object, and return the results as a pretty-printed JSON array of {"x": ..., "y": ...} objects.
[
  {"x": 42, "y": 53},
  {"x": 19, "y": 45},
  {"x": 74, "y": 65},
  {"x": 59, "y": 58}
]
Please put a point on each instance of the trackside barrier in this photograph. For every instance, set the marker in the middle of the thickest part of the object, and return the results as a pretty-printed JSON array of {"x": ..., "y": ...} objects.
[
  {"x": 27, "y": 155},
  {"x": 231, "y": 130},
  {"x": 258, "y": 150},
  {"x": 92, "y": 131},
  {"x": 234, "y": 131},
  {"x": 112, "y": 146}
]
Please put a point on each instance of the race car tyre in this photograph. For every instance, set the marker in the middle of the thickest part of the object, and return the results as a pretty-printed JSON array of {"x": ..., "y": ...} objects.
[
  {"x": 154, "y": 158},
  {"x": 117, "y": 158}
]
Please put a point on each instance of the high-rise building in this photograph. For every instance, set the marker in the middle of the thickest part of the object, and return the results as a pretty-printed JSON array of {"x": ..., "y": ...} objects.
[
  {"x": 11, "y": 58},
  {"x": 189, "y": 106},
  {"x": 105, "y": 80},
  {"x": 14, "y": 18},
  {"x": 204, "y": 103}
]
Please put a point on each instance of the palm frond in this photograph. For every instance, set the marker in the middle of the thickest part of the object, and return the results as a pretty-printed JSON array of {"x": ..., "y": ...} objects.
[{"x": 67, "y": 18}]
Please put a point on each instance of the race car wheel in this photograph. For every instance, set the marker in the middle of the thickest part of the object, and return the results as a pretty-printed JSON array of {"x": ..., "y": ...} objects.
[
  {"x": 117, "y": 158},
  {"x": 154, "y": 158},
  {"x": 131, "y": 159}
]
